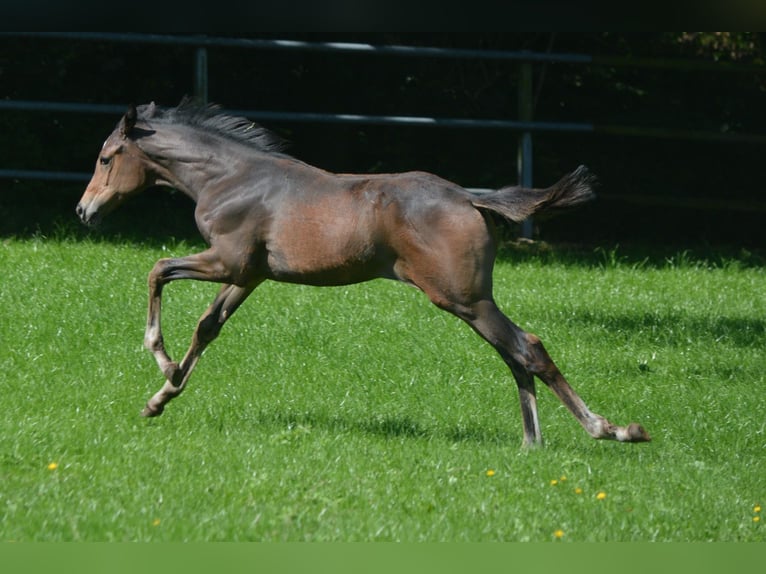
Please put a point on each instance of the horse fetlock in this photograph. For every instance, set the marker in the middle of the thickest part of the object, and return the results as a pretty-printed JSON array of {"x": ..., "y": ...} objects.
[
  {"x": 173, "y": 373},
  {"x": 598, "y": 427},
  {"x": 603, "y": 429}
]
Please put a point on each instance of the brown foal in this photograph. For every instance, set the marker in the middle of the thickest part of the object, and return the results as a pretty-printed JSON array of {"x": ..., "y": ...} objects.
[{"x": 266, "y": 215}]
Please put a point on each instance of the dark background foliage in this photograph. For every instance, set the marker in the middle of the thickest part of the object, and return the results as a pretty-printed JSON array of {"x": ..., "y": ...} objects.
[{"x": 669, "y": 190}]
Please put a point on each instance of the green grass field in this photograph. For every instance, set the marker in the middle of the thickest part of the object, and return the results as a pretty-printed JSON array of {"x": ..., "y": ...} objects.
[{"x": 363, "y": 413}]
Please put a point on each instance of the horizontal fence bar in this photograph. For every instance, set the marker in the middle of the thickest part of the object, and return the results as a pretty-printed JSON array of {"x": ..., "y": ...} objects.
[
  {"x": 67, "y": 107},
  {"x": 514, "y": 125},
  {"x": 42, "y": 175},
  {"x": 687, "y": 202},
  {"x": 300, "y": 45},
  {"x": 678, "y": 64},
  {"x": 397, "y": 50},
  {"x": 308, "y": 117},
  {"x": 680, "y": 134},
  {"x": 82, "y": 177}
]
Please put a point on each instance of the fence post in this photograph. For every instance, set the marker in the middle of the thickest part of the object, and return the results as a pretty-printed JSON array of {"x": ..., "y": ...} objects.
[
  {"x": 200, "y": 74},
  {"x": 524, "y": 151}
]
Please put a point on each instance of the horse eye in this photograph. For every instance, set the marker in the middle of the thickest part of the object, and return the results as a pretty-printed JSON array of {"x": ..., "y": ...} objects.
[{"x": 105, "y": 160}]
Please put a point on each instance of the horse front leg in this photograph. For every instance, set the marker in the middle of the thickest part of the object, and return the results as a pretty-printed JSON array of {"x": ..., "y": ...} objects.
[
  {"x": 153, "y": 340},
  {"x": 229, "y": 298},
  {"x": 204, "y": 266}
]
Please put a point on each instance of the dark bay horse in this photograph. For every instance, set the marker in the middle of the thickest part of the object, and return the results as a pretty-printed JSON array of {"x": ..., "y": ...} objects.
[{"x": 266, "y": 215}]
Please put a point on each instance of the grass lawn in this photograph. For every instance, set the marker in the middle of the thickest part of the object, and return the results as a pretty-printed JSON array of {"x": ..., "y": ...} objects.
[{"x": 363, "y": 413}]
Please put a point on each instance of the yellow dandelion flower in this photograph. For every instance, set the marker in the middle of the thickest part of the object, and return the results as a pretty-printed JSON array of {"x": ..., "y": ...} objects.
[
  {"x": 578, "y": 490},
  {"x": 490, "y": 472},
  {"x": 563, "y": 478},
  {"x": 554, "y": 482},
  {"x": 559, "y": 534},
  {"x": 53, "y": 466},
  {"x": 757, "y": 508},
  {"x": 156, "y": 522},
  {"x": 601, "y": 495},
  {"x": 756, "y": 518}
]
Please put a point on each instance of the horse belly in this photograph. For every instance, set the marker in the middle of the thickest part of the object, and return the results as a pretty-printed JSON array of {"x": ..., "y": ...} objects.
[{"x": 325, "y": 248}]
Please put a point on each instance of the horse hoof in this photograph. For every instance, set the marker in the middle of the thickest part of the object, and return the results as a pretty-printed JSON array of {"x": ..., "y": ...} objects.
[
  {"x": 637, "y": 433},
  {"x": 151, "y": 412}
]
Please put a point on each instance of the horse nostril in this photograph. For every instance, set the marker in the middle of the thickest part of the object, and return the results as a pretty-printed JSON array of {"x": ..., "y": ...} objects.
[{"x": 80, "y": 210}]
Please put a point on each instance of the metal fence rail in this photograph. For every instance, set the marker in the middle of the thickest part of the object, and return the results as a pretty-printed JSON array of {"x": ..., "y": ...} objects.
[{"x": 310, "y": 117}]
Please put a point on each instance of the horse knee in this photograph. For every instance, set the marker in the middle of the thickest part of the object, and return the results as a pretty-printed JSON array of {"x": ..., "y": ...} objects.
[{"x": 153, "y": 340}]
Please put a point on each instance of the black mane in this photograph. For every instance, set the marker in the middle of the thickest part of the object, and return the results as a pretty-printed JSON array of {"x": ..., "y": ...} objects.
[{"x": 212, "y": 118}]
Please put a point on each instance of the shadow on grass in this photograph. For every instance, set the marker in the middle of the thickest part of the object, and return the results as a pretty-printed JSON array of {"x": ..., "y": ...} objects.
[
  {"x": 746, "y": 332},
  {"x": 385, "y": 426}
]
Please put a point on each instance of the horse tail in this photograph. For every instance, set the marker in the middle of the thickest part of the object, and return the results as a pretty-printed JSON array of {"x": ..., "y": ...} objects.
[{"x": 518, "y": 203}]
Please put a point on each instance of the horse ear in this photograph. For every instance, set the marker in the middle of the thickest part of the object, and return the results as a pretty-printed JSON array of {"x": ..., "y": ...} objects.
[{"x": 128, "y": 121}]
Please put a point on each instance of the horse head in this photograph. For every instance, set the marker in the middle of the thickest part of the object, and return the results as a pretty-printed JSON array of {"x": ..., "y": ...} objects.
[{"x": 122, "y": 170}]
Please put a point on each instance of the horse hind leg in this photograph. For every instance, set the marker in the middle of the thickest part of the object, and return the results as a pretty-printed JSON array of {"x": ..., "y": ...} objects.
[
  {"x": 528, "y": 402},
  {"x": 456, "y": 275},
  {"x": 525, "y": 355},
  {"x": 229, "y": 298}
]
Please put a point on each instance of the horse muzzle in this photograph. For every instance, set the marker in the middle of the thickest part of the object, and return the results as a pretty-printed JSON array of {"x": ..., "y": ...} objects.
[{"x": 90, "y": 217}]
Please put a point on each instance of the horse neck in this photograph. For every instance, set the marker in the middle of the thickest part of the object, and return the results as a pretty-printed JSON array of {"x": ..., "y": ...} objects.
[{"x": 195, "y": 163}]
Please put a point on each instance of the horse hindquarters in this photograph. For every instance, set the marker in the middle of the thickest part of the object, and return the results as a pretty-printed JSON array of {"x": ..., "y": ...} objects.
[
  {"x": 451, "y": 260},
  {"x": 447, "y": 252}
]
